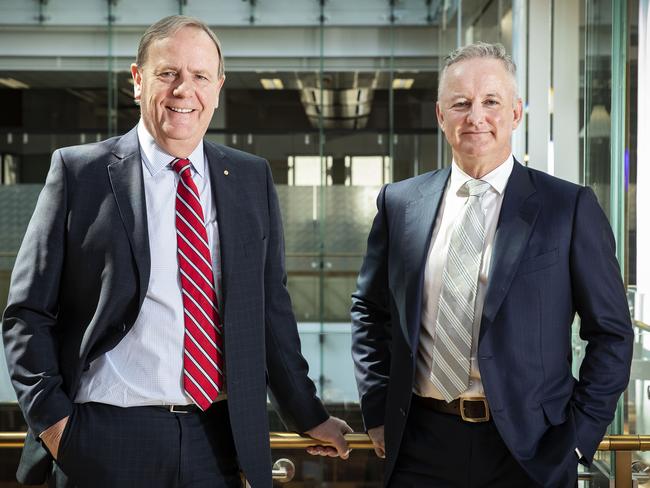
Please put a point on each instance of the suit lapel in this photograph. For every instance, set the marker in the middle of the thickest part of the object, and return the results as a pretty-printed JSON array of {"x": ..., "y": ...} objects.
[
  {"x": 125, "y": 174},
  {"x": 224, "y": 181},
  {"x": 419, "y": 220},
  {"x": 516, "y": 221}
]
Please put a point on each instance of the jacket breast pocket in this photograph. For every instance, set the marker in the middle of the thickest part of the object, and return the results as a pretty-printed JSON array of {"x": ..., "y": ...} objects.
[{"x": 541, "y": 261}]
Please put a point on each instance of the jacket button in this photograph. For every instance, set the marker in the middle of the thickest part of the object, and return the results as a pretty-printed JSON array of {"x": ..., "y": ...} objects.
[{"x": 403, "y": 412}]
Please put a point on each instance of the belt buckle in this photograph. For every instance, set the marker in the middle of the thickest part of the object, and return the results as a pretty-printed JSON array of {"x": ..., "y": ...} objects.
[
  {"x": 178, "y": 408},
  {"x": 485, "y": 418}
]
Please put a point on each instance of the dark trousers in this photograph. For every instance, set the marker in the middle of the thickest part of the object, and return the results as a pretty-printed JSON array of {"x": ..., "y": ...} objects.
[
  {"x": 442, "y": 451},
  {"x": 111, "y": 447}
]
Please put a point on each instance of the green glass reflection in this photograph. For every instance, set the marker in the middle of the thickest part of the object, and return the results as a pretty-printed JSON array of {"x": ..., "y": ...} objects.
[{"x": 112, "y": 86}]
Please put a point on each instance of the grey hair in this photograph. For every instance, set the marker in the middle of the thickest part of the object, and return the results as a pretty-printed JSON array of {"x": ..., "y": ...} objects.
[
  {"x": 480, "y": 50},
  {"x": 169, "y": 26}
]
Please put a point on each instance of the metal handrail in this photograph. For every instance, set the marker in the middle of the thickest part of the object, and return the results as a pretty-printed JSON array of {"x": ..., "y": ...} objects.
[
  {"x": 642, "y": 325},
  {"x": 286, "y": 440},
  {"x": 284, "y": 469},
  {"x": 12, "y": 440},
  {"x": 282, "y": 440}
]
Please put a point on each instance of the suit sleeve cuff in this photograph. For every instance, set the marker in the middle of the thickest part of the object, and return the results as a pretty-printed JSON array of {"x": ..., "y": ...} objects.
[
  {"x": 373, "y": 408},
  {"x": 581, "y": 459}
]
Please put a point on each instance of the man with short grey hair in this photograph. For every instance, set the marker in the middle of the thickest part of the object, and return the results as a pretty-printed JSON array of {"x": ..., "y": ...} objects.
[
  {"x": 148, "y": 310},
  {"x": 464, "y": 305},
  {"x": 480, "y": 50}
]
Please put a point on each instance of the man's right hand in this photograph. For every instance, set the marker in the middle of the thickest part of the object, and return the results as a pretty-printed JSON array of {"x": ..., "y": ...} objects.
[
  {"x": 377, "y": 437},
  {"x": 51, "y": 436}
]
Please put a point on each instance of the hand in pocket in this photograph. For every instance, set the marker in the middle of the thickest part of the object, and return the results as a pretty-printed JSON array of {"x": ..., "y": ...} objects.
[{"x": 51, "y": 436}]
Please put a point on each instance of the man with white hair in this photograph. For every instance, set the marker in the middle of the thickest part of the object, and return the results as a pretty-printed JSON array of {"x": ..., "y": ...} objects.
[{"x": 464, "y": 304}]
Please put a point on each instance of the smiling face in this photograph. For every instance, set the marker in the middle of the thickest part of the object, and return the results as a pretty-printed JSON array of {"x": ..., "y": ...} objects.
[
  {"x": 178, "y": 89},
  {"x": 477, "y": 110}
]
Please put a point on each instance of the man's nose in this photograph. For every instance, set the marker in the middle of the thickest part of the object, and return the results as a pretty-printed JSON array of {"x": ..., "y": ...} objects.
[
  {"x": 184, "y": 87},
  {"x": 476, "y": 114}
]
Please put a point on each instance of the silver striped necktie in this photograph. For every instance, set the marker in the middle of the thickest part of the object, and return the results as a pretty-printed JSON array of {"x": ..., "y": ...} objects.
[{"x": 454, "y": 322}]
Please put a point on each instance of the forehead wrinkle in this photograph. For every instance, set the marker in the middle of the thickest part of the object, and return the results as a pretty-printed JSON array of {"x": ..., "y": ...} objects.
[
  {"x": 164, "y": 64},
  {"x": 201, "y": 68},
  {"x": 472, "y": 91},
  {"x": 470, "y": 95},
  {"x": 201, "y": 65}
]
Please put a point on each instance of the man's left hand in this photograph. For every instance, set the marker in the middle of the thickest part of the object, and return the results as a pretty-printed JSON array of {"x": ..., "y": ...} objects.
[{"x": 331, "y": 431}]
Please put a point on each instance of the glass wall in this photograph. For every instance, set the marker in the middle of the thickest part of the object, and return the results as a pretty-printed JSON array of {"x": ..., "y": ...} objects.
[{"x": 609, "y": 111}]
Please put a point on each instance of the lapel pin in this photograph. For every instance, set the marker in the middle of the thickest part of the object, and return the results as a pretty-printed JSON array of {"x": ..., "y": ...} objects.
[{"x": 225, "y": 172}]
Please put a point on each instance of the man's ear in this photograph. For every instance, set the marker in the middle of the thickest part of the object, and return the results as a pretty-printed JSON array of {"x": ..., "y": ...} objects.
[
  {"x": 219, "y": 87},
  {"x": 440, "y": 116},
  {"x": 518, "y": 109},
  {"x": 137, "y": 82}
]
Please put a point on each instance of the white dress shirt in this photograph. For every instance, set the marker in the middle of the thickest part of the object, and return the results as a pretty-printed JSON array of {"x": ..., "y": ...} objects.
[
  {"x": 451, "y": 205},
  {"x": 146, "y": 367}
]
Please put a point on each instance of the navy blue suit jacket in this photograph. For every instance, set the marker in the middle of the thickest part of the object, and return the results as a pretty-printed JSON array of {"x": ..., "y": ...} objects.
[
  {"x": 82, "y": 273},
  {"x": 554, "y": 255}
]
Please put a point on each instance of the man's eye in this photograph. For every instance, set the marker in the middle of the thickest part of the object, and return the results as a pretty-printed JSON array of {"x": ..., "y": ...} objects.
[
  {"x": 460, "y": 104},
  {"x": 167, "y": 74},
  {"x": 491, "y": 102}
]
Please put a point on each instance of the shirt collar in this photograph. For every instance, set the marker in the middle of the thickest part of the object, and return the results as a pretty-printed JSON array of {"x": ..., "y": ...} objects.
[
  {"x": 156, "y": 159},
  {"x": 497, "y": 178}
]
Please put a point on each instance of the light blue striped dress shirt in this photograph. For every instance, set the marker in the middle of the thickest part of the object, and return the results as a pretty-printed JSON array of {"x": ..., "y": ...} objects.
[{"x": 146, "y": 367}]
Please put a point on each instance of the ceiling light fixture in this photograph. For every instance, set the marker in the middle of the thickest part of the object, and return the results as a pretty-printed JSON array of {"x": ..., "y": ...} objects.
[
  {"x": 13, "y": 83},
  {"x": 272, "y": 83},
  {"x": 402, "y": 83}
]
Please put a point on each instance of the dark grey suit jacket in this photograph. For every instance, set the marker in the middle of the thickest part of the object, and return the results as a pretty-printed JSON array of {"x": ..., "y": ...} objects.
[
  {"x": 553, "y": 256},
  {"x": 82, "y": 273}
]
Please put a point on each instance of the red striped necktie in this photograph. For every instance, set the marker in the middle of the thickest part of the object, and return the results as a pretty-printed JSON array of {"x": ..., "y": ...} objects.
[{"x": 203, "y": 341}]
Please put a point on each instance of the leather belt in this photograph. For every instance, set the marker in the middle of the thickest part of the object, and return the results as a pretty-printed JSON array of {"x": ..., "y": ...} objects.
[
  {"x": 191, "y": 408},
  {"x": 473, "y": 409}
]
